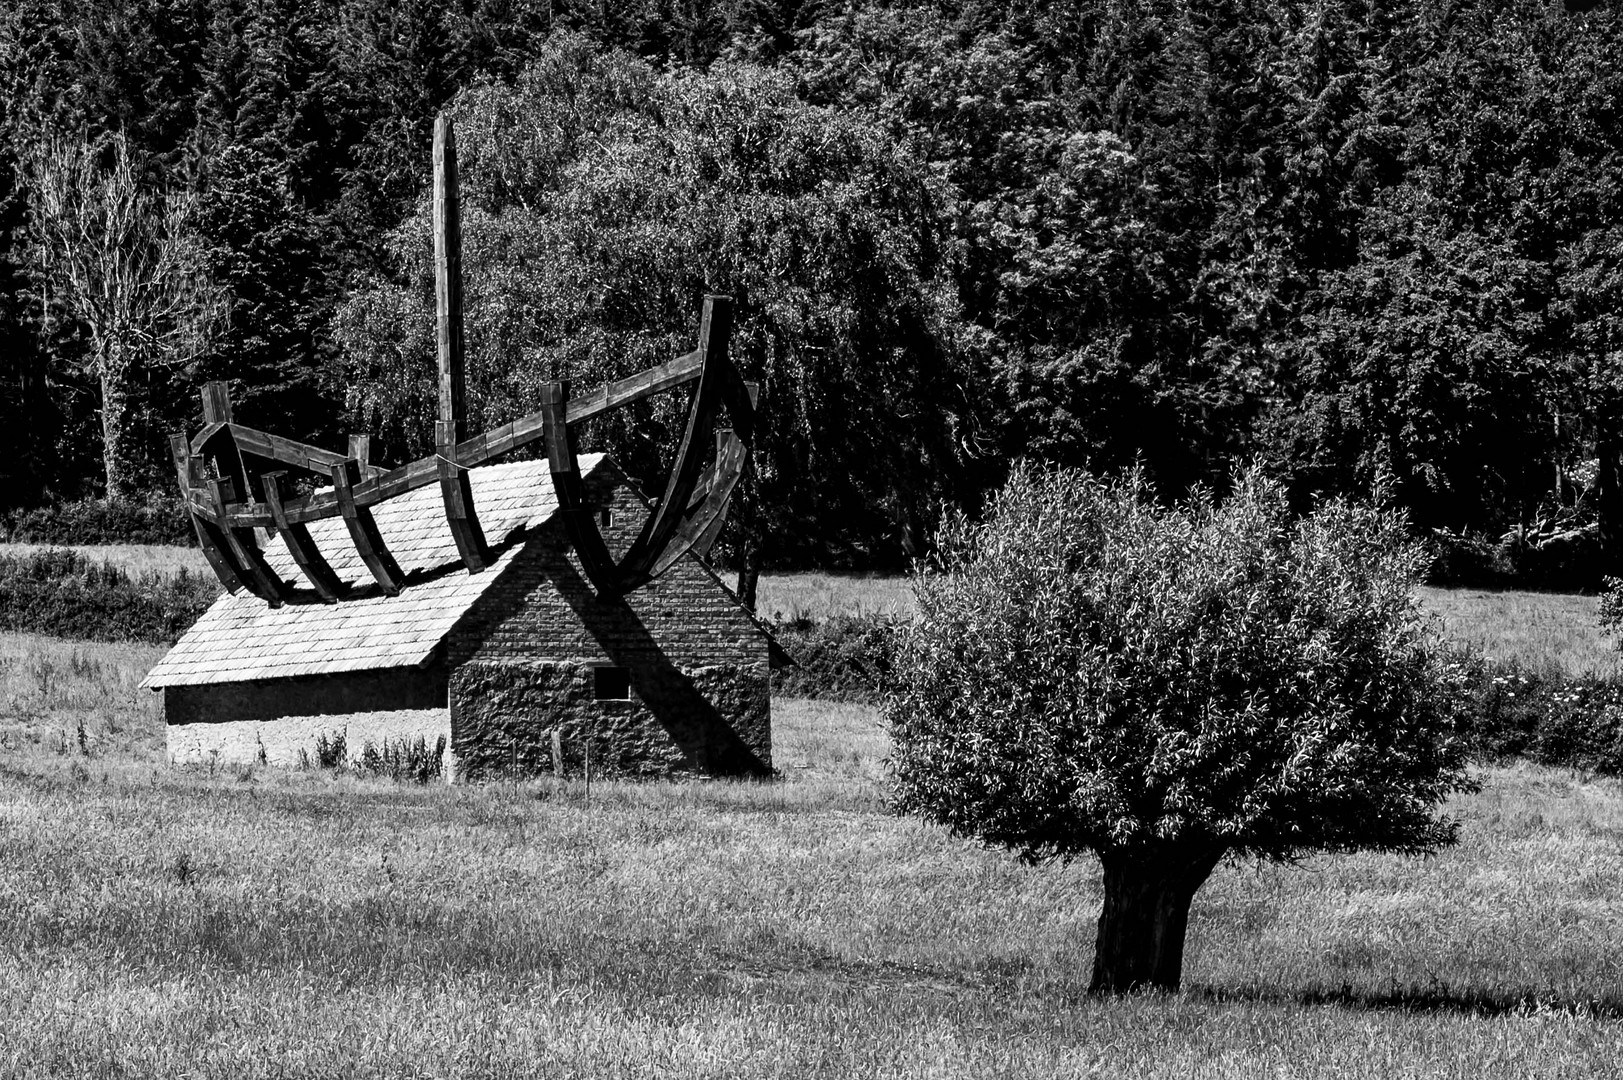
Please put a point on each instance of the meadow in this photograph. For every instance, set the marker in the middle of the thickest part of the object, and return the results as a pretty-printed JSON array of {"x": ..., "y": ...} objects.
[{"x": 254, "y": 922}]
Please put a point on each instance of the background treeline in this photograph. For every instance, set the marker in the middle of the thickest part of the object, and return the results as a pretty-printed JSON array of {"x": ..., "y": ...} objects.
[{"x": 1368, "y": 242}]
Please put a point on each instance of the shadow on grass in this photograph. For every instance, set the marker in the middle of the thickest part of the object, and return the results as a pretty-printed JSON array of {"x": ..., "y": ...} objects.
[{"x": 1434, "y": 997}]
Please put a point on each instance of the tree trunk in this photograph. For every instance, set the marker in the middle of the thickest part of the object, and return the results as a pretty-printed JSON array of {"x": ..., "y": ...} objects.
[
  {"x": 114, "y": 422},
  {"x": 1609, "y": 501},
  {"x": 1145, "y": 915}
]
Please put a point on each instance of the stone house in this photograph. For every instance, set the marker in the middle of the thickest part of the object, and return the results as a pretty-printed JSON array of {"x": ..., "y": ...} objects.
[{"x": 507, "y": 666}]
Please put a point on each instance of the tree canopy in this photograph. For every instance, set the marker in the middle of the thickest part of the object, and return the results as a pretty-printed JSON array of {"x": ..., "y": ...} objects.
[
  {"x": 604, "y": 198},
  {"x": 1357, "y": 239}
]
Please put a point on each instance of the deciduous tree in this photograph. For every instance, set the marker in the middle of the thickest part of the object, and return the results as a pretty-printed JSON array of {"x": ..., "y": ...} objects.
[
  {"x": 119, "y": 257},
  {"x": 1093, "y": 671}
]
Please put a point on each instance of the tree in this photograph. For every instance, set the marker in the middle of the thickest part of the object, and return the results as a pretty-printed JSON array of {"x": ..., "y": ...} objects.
[
  {"x": 1165, "y": 687},
  {"x": 109, "y": 252},
  {"x": 602, "y": 199}
]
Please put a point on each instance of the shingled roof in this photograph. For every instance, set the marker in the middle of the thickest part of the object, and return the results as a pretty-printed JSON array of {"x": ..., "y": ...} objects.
[{"x": 243, "y": 638}]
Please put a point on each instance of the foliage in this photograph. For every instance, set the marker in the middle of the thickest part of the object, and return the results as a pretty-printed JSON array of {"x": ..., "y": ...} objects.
[
  {"x": 1092, "y": 671},
  {"x": 1362, "y": 241},
  {"x": 154, "y": 519},
  {"x": 590, "y": 236},
  {"x": 1511, "y": 710},
  {"x": 64, "y": 594},
  {"x": 397, "y": 759},
  {"x": 332, "y": 751},
  {"x": 841, "y": 657}
]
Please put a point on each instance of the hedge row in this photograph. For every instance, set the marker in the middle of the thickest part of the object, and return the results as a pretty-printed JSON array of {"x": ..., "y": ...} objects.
[
  {"x": 1507, "y": 711},
  {"x": 64, "y": 594},
  {"x": 155, "y": 519}
]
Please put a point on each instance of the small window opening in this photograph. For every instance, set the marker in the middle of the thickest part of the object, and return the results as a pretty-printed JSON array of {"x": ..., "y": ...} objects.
[
  {"x": 612, "y": 683},
  {"x": 605, "y": 517}
]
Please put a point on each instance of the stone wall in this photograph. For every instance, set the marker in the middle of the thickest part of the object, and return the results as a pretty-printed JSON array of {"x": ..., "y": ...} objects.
[
  {"x": 523, "y": 659},
  {"x": 274, "y": 721}
]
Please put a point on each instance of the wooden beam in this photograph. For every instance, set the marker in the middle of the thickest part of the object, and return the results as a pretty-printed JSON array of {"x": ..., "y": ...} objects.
[
  {"x": 660, "y": 529},
  {"x": 456, "y": 492},
  {"x": 209, "y": 538},
  {"x": 216, "y": 403},
  {"x": 667, "y": 376},
  {"x": 704, "y": 516},
  {"x": 250, "y": 564},
  {"x": 311, "y": 563},
  {"x": 376, "y": 485},
  {"x": 363, "y": 530},
  {"x": 360, "y": 448},
  {"x": 447, "y": 221},
  {"x": 207, "y": 432},
  {"x": 285, "y": 451},
  {"x": 579, "y": 523}
]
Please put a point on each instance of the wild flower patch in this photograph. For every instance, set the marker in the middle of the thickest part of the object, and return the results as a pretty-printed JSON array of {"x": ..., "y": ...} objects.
[{"x": 1544, "y": 715}]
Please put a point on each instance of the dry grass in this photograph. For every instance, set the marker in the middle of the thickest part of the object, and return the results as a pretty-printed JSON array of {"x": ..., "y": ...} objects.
[{"x": 156, "y": 921}]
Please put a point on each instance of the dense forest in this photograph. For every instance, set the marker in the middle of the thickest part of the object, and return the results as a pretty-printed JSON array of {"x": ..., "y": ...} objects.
[{"x": 1371, "y": 243}]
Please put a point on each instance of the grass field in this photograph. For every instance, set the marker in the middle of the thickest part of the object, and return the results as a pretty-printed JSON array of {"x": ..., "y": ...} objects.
[{"x": 156, "y": 922}]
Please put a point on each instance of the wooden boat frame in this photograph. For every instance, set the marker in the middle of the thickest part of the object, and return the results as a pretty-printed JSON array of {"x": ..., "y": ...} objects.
[{"x": 224, "y": 466}]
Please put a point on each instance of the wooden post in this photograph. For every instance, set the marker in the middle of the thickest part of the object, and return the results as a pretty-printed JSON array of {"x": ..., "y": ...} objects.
[
  {"x": 360, "y": 448},
  {"x": 557, "y": 754},
  {"x": 216, "y": 403},
  {"x": 451, "y": 429}
]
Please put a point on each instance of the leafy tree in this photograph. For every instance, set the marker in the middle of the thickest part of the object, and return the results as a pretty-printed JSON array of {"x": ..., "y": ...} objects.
[
  {"x": 1422, "y": 363},
  {"x": 109, "y": 252},
  {"x": 1093, "y": 671},
  {"x": 602, "y": 199}
]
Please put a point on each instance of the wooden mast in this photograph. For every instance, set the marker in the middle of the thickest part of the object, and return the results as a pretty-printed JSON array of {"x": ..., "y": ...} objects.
[{"x": 455, "y": 489}]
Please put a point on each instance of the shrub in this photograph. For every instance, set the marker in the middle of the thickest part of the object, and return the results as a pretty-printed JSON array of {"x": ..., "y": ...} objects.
[
  {"x": 64, "y": 594},
  {"x": 1165, "y": 686},
  {"x": 841, "y": 658},
  {"x": 156, "y": 519},
  {"x": 1510, "y": 711}
]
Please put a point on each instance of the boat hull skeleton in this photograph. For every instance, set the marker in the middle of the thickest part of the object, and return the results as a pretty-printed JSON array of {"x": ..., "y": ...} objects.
[{"x": 234, "y": 478}]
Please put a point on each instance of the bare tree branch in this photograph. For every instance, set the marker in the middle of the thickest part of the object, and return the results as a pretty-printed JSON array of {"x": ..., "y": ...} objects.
[{"x": 124, "y": 260}]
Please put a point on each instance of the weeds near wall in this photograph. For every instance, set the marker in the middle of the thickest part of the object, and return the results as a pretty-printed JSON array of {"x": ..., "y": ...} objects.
[
  {"x": 402, "y": 759},
  {"x": 407, "y": 759},
  {"x": 331, "y": 751}
]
